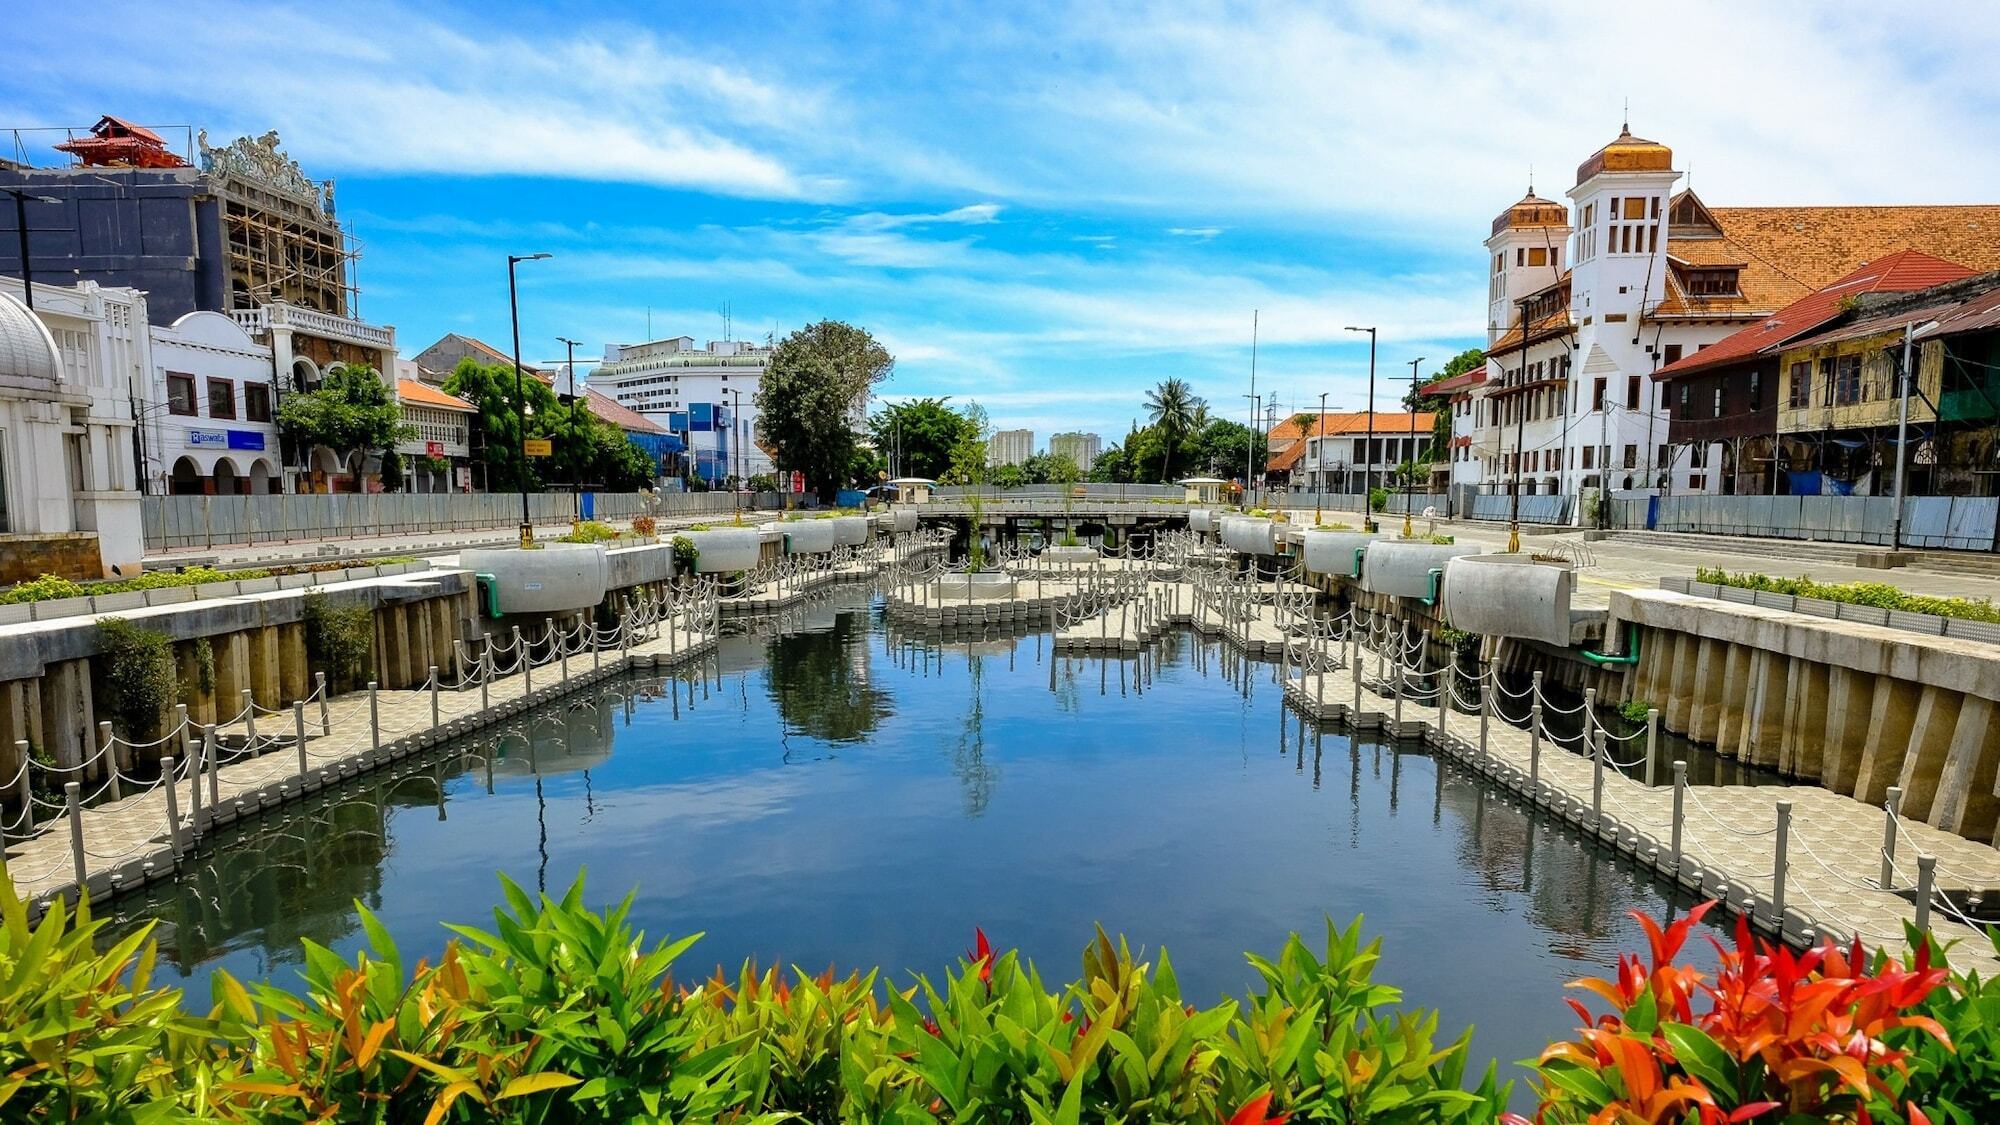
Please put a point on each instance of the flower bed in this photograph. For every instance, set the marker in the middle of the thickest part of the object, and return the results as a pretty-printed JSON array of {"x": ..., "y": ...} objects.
[{"x": 1880, "y": 595}]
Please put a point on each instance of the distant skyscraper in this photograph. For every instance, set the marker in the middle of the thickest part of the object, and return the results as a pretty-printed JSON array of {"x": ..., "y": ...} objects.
[
  {"x": 1081, "y": 448},
  {"x": 1010, "y": 447}
]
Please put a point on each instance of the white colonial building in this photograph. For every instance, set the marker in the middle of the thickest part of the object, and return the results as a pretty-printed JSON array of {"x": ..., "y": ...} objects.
[
  {"x": 209, "y": 411},
  {"x": 69, "y": 497},
  {"x": 705, "y": 396}
]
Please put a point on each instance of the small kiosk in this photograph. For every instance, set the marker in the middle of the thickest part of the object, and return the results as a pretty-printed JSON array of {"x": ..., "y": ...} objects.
[
  {"x": 912, "y": 490},
  {"x": 1204, "y": 490}
]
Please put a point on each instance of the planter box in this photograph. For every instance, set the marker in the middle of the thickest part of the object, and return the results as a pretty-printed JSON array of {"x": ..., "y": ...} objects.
[
  {"x": 808, "y": 537},
  {"x": 724, "y": 550},
  {"x": 987, "y": 585},
  {"x": 553, "y": 578},
  {"x": 1071, "y": 556},
  {"x": 849, "y": 531},
  {"x": 1332, "y": 552},
  {"x": 1249, "y": 535}
]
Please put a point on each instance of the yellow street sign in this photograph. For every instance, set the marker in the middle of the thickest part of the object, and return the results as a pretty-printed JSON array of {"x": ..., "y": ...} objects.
[{"x": 538, "y": 447}]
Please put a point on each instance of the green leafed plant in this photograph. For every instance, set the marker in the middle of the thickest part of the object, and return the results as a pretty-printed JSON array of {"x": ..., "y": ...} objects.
[{"x": 138, "y": 675}]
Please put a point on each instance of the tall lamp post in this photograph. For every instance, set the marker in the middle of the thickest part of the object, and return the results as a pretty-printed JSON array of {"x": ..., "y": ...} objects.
[
  {"x": 1409, "y": 485},
  {"x": 736, "y": 432},
  {"x": 1319, "y": 460},
  {"x": 21, "y": 200},
  {"x": 576, "y": 447},
  {"x": 521, "y": 390},
  {"x": 1250, "y": 457},
  {"x": 1368, "y": 445}
]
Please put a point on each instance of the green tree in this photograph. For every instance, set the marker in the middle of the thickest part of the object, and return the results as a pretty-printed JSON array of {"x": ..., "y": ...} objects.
[
  {"x": 816, "y": 379},
  {"x": 1172, "y": 406},
  {"x": 1113, "y": 466},
  {"x": 1420, "y": 399},
  {"x": 496, "y": 430},
  {"x": 925, "y": 431},
  {"x": 1223, "y": 449},
  {"x": 350, "y": 411},
  {"x": 1045, "y": 468},
  {"x": 968, "y": 456},
  {"x": 1008, "y": 476}
]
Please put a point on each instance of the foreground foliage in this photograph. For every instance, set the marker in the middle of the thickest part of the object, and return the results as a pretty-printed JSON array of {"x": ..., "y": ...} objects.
[{"x": 560, "y": 1014}]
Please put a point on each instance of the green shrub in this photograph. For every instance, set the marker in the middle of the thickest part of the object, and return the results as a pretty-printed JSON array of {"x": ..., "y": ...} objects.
[
  {"x": 1635, "y": 710},
  {"x": 1878, "y": 594},
  {"x": 1378, "y": 499},
  {"x": 138, "y": 675},
  {"x": 46, "y": 588},
  {"x": 686, "y": 555},
  {"x": 339, "y": 642},
  {"x": 589, "y": 531}
]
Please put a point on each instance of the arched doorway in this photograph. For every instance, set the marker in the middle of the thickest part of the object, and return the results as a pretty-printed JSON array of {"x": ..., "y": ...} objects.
[
  {"x": 227, "y": 482},
  {"x": 185, "y": 479},
  {"x": 322, "y": 466},
  {"x": 305, "y": 373},
  {"x": 261, "y": 481}
]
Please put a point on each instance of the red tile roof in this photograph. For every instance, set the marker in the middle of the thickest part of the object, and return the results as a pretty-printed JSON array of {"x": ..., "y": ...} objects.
[
  {"x": 410, "y": 390},
  {"x": 1463, "y": 381},
  {"x": 623, "y": 417},
  {"x": 1904, "y": 271}
]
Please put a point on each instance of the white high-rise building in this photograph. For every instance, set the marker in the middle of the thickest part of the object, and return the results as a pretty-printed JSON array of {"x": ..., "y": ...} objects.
[
  {"x": 1010, "y": 447},
  {"x": 1081, "y": 448},
  {"x": 706, "y": 396}
]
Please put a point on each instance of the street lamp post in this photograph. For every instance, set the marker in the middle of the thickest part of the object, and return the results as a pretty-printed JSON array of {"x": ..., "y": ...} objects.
[
  {"x": 1368, "y": 445},
  {"x": 1319, "y": 460},
  {"x": 1409, "y": 486},
  {"x": 736, "y": 430},
  {"x": 576, "y": 447},
  {"x": 1250, "y": 456},
  {"x": 21, "y": 199},
  {"x": 521, "y": 391}
]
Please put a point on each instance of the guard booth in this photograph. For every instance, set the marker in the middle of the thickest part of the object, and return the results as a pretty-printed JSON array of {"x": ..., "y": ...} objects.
[
  {"x": 1204, "y": 490},
  {"x": 912, "y": 490}
]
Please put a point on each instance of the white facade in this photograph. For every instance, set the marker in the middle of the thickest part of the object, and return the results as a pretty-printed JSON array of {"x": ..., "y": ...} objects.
[
  {"x": 674, "y": 384},
  {"x": 209, "y": 410},
  {"x": 1010, "y": 447},
  {"x": 1350, "y": 455},
  {"x": 1574, "y": 407},
  {"x": 1081, "y": 448},
  {"x": 67, "y": 457}
]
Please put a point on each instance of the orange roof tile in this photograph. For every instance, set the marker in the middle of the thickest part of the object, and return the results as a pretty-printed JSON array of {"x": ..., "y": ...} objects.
[
  {"x": 610, "y": 410},
  {"x": 1901, "y": 272},
  {"x": 1787, "y": 253},
  {"x": 410, "y": 390}
]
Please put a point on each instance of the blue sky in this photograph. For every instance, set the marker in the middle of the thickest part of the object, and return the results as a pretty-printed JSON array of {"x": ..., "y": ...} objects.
[{"x": 1044, "y": 207}]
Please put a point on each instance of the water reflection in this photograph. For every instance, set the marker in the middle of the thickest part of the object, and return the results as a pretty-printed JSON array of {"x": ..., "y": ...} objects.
[{"x": 859, "y": 796}]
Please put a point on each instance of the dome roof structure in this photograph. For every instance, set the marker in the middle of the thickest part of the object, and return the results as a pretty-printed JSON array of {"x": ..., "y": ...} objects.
[
  {"x": 1532, "y": 212},
  {"x": 1627, "y": 153},
  {"x": 27, "y": 351}
]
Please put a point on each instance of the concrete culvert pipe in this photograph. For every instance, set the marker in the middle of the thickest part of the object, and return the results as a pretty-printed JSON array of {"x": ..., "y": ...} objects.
[
  {"x": 849, "y": 531},
  {"x": 1201, "y": 519},
  {"x": 808, "y": 537},
  {"x": 724, "y": 550},
  {"x": 552, "y": 578},
  {"x": 1509, "y": 596},
  {"x": 905, "y": 520},
  {"x": 1403, "y": 569},
  {"x": 1334, "y": 552},
  {"x": 1249, "y": 535}
]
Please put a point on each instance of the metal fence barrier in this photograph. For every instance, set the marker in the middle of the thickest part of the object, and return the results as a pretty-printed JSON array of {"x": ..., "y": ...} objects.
[
  {"x": 205, "y": 521},
  {"x": 1954, "y": 522}
]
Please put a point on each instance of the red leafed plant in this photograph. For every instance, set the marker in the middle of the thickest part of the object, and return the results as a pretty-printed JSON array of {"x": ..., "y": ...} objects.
[
  {"x": 1775, "y": 1036},
  {"x": 1254, "y": 1111}
]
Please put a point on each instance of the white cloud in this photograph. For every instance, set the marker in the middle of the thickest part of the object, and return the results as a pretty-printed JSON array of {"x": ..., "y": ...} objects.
[{"x": 1201, "y": 234}]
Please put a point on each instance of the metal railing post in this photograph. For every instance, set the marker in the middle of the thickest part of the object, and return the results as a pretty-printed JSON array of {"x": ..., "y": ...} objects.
[
  {"x": 175, "y": 839},
  {"x": 1488, "y": 688},
  {"x": 1444, "y": 701},
  {"x": 1778, "y": 869},
  {"x": 108, "y": 748},
  {"x": 1652, "y": 742},
  {"x": 374, "y": 716},
  {"x": 1890, "y": 808},
  {"x": 22, "y": 792},
  {"x": 1594, "y": 742},
  {"x": 1535, "y": 750},
  {"x": 250, "y": 720},
  {"x": 1680, "y": 811},
  {"x": 73, "y": 804},
  {"x": 527, "y": 663},
  {"x": 211, "y": 752},
  {"x": 485, "y": 674},
  {"x": 1926, "y": 887},
  {"x": 434, "y": 697}
]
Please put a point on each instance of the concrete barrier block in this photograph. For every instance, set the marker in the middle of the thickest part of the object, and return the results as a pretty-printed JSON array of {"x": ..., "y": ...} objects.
[
  {"x": 60, "y": 607},
  {"x": 118, "y": 603},
  {"x": 1509, "y": 596},
  {"x": 257, "y": 585},
  {"x": 15, "y": 614},
  {"x": 294, "y": 581}
]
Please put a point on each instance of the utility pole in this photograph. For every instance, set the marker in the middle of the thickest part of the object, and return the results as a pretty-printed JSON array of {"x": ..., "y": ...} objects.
[
  {"x": 736, "y": 426},
  {"x": 1319, "y": 460},
  {"x": 521, "y": 392},
  {"x": 1368, "y": 443},
  {"x": 1409, "y": 485},
  {"x": 21, "y": 199},
  {"x": 576, "y": 447},
  {"x": 1250, "y": 461},
  {"x": 1902, "y": 430}
]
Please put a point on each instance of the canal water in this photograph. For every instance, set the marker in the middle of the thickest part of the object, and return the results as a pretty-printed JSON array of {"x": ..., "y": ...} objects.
[{"x": 844, "y": 794}]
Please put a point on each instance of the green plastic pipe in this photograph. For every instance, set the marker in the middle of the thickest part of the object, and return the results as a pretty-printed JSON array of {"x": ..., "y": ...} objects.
[
  {"x": 1358, "y": 553},
  {"x": 1631, "y": 654},
  {"x": 489, "y": 593},
  {"x": 1437, "y": 575}
]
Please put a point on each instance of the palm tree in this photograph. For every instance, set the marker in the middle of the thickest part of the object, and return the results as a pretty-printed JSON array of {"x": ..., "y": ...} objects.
[{"x": 1173, "y": 407}]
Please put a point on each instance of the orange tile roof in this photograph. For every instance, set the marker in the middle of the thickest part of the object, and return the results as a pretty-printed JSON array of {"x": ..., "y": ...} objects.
[
  {"x": 1337, "y": 424},
  {"x": 1787, "y": 253},
  {"x": 625, "y": 418},
  {"x": 1464, "y": 380},
  {"x": 410, "y": 390},
  {"x": 1901, "y": 272}
]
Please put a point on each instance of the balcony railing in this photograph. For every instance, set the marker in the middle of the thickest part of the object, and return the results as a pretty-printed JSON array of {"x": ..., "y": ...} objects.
[{"x": 312, "y": 322}]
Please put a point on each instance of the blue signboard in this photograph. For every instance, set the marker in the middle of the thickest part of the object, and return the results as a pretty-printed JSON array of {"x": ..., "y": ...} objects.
[
  {"x": 677, "y": 421},
  {"x": 207, "y": 439},
  {"x": 701, "y": 417},
  {"x": 246, "y": 439}
]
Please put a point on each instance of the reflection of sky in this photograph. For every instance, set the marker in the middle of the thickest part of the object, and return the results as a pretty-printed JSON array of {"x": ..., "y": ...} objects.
[{"x": 1189, "y": 816}]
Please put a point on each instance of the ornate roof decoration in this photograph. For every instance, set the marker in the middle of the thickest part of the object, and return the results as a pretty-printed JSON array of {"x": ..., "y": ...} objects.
[{"x": 260, "y": 161}]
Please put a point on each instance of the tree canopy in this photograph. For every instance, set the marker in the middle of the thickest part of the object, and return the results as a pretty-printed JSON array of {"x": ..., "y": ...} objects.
[
  {"x": 350, "y": 410},
  {"x": 1418, "y": 399},
  {"x": 1173, "y": 407},
  {"x": 819, "y": 377},
  {"x": 922, "y": 433},
  {"x": 585, "y": 449}
]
